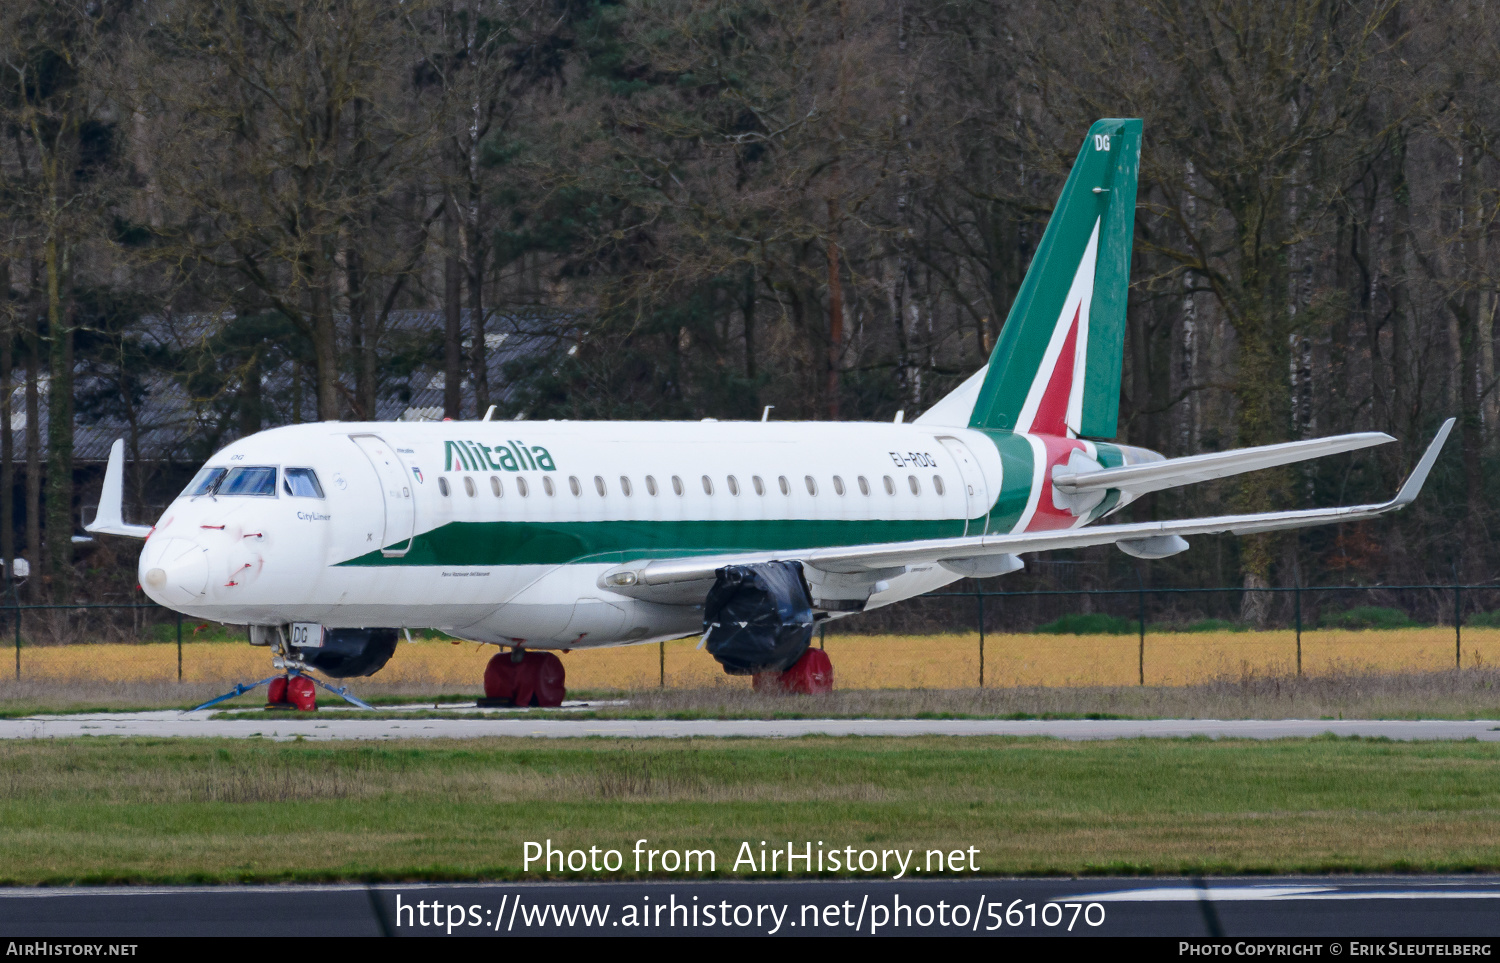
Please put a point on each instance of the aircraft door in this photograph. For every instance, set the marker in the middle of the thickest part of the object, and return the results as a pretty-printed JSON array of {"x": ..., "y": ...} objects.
[
  {"x": 975, "y": 490},
  {"x": 395, "y": 489}
]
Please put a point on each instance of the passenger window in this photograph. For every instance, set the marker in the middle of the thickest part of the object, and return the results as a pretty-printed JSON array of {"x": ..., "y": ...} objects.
[
  {"x": 599, "y": 486},
  {"x": 890, "y": 486},
  {"x": 521, "y": 488},
  {"x": 708, "y": 485},
  {"x": 547, "y": 485},
  {"x": 864, "y": 485},
  {"x": 812, "y": 485},
  {"x": 573, "y": 484},
  {"x": 495, "y": 486},
  {"x": 443, "y": 487},
  {"x": 760, "y": 486},
  {"x": 734, "y": 485},
  {"x": 204, "y": 482},
  {"x": 625, "y": 485},
  {"x": 677, "y": 484},
  {"x": 838, "y": 485},
  {"x": 651, "y": 485},
  {"x": 301, "y": 483},
  {"x": 469, "y": 488},
  {"x": 916, "y": 486},
  {"x": 937, "y": 484},
  {"x": 248, "y": 481},
  {"x": 786, "y": 486}
]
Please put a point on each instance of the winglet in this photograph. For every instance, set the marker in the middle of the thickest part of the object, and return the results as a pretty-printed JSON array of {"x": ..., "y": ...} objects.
[
  {"x": 1418, "y": 477},
  {"x": 110, "y": 518}
]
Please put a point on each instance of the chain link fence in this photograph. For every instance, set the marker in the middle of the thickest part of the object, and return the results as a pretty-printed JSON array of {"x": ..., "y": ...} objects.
[
  {"x": 961, "y": 638},
  {"x": 1178, "y": 636}
]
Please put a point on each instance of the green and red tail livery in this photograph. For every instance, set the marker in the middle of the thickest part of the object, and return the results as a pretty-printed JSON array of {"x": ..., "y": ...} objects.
[{"x": 1056, "y": 366}]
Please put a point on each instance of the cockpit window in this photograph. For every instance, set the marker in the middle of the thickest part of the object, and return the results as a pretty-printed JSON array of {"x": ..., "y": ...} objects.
[
  {"x": 204, "y": 482},
  {"x": 301, "y": 482},
  {"x": 249, "y": 481}
]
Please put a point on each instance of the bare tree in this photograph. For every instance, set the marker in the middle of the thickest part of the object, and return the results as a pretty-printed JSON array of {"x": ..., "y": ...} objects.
[
  {"x": 287, "y": 126},
  {"x": 53, "y": 57}
]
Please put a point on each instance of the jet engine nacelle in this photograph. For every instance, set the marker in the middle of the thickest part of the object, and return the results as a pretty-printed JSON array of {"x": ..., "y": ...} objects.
[
  {"x": 347, "y": 653},
  {"x": 758, "y": 618}
]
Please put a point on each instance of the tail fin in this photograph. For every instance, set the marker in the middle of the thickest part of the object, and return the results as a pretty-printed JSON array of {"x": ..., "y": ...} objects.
[{"x": 1056, "y": 366}]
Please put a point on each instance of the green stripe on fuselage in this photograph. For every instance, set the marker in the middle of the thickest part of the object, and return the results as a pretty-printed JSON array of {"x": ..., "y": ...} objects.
[
  {"x": 561, "y": 543},
  {"x": 1017, "y": 462},
  {"x": 614, "y": 542}
]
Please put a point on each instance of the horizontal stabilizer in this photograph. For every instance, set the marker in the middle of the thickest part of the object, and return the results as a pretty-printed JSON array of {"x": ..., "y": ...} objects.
[
  {"x": 1172, "y": 472},
  {"x": 110, "y": 518}
]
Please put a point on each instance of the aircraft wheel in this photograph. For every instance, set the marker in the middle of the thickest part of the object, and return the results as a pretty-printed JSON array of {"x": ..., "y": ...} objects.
[
  {"x": 811, "y": 674},
  {"x": 276, "y": 694},
  {"x": 301, "y": 693},
  {"x": 522, "y": 678}
]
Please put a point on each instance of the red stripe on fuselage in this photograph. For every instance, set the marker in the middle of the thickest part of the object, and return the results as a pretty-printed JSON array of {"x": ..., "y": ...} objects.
[{"x": 1052, "y": 411}]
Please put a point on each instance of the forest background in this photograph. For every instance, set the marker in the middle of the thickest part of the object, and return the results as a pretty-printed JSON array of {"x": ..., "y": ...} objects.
[{"x": 712, "y": 206}]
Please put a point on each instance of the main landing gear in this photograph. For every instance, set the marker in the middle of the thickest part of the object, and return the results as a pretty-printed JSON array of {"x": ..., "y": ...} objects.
[
  {"x": 811, "y": 674},
  {"x": 521, "y": 678}
]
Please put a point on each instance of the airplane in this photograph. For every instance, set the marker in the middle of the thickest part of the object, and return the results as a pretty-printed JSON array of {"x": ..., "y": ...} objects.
[{"x": 328, "y": 539}]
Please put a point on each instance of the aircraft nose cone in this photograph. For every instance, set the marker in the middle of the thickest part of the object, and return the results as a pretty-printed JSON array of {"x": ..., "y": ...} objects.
[{"x": 174, "y": 572}]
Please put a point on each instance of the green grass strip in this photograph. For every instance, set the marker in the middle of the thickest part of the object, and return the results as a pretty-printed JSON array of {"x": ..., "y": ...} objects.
[{"x": 105, "y": 810}]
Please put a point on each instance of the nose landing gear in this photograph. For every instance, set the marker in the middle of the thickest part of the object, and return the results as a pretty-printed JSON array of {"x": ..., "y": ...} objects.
[
  {"x": 291, "y": 691},
  {"x": 295, "y": 690}
]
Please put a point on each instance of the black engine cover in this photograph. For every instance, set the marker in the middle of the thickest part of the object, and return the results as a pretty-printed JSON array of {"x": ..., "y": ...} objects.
[
  {"x": 347, "y": 653},
  {"x": 758, "y": 617}
]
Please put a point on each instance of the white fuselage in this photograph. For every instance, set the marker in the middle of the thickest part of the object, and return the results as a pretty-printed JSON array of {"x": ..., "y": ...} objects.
[{"x": 500, "y": 531}]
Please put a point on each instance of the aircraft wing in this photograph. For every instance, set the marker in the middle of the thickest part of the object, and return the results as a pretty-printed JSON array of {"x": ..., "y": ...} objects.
[
  {"x": 673, "y": 579},
  {"x": 110, "y": 518},
  {"x": 1172, "y": 472}
]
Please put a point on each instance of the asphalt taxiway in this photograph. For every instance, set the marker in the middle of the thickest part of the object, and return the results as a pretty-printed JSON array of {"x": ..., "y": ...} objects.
[{"x": 325, "y": 726}]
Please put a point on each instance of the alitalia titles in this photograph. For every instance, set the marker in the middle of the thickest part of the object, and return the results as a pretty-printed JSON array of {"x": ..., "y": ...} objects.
[{"x": 512, "y": 455}]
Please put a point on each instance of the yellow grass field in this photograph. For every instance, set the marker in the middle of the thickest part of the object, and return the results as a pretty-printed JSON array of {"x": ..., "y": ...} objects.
[{"x": 859, "y": 661}]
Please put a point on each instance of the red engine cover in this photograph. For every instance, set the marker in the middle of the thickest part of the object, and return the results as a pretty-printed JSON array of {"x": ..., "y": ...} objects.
[{"x": 536, "y": 679}]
